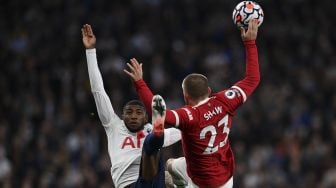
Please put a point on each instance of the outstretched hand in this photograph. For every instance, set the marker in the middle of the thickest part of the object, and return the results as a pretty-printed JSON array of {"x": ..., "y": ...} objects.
[
  {"x": 135, "y": 70},
  {"x": 89, "y": 39},
  {"x": 251, "y": 32}
]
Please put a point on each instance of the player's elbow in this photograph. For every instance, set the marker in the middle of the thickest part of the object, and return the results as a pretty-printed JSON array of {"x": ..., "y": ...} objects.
[
  {"x": 257, "y": 79},
  {"x": 169, "y": 165},
  {"x": 94, "y": 90},
  {"x": 253, "y": 80}
]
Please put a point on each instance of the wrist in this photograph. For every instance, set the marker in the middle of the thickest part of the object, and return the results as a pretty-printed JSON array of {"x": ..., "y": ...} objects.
[
  {"x": 138, "y": 80},
  {"x": 248, "y": 42},
  {"x": 90, "y": 50}
]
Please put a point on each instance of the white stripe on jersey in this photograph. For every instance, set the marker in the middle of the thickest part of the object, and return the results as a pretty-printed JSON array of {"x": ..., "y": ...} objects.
[
  {"x": 241, "y": 91},
  {"x": 177, "y": 120}
]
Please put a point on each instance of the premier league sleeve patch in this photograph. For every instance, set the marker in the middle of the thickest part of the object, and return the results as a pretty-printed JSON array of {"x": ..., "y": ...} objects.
[{"x": 231, "y": 93}]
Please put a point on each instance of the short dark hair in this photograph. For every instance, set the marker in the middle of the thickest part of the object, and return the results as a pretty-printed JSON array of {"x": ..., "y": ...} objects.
[
  {"x": 196, "y": 86},
  {"x": 135, "y": 102}
]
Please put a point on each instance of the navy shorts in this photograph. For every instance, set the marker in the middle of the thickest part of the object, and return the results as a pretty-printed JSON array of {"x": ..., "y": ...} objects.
[{"x": 157, "y": 182}]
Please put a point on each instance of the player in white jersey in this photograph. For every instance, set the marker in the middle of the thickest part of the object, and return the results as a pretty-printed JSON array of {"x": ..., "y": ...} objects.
[{"x": 125, "y": 135}]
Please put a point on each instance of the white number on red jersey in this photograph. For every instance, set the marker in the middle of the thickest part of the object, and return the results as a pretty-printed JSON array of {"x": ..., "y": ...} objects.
[{"x": 212, "y": 129}]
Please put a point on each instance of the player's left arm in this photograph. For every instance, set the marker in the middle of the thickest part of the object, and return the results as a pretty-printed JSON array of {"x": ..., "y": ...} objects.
[
  {"x": 241, "y": 90},
  {"x": 145, "y": 94},
  {"x": 171, "y": 136},
  {"x": 252, "y": 75}
]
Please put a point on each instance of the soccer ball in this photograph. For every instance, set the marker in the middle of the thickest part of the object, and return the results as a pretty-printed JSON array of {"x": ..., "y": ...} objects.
[{"x": 245, "y": 11}]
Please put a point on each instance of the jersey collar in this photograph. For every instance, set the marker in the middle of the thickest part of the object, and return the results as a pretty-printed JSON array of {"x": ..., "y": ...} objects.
[{"x": 202, "y": 102}]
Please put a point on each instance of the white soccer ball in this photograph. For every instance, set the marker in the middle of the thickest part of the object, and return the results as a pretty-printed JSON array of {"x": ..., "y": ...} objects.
[{"x": 245, "y": 11}]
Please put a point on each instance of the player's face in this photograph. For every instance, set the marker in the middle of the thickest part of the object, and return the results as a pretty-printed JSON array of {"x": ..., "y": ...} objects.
[{"x": 134, "y": 117}]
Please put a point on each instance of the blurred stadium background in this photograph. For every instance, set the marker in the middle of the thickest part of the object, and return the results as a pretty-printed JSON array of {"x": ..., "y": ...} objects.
[{"x": 50, "y": 135}]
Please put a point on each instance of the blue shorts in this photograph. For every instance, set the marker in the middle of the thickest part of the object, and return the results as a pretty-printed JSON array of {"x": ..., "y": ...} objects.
[{"x": 157, "y": 182}]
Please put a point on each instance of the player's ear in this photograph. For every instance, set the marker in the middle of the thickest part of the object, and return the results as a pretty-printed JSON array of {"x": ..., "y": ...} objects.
[
  {"x": 146, "y": 117},
  {"x": 209, "y": 91},
  {"x": 123, "y": 113},
  {"x": 186, "y": 98}
]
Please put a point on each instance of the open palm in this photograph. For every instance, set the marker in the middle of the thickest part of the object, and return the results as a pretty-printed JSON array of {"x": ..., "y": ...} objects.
[
  {"x": 89, "y": 39},
  {"x": 252, "y": 31}
]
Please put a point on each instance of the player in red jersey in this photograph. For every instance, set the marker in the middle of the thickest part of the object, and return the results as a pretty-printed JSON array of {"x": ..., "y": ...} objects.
[{"x": 205, "y": 120}]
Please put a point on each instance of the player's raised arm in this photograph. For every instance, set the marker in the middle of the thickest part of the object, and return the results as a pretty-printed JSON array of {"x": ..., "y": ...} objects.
[
  {"x": 136, "y": 74},
  {"x": 145, "y": 94},
  {"x": 104, "y": 107},
  {"x": 252, "y": 31},
  {"x": 252, "y": 76},
  {"x": 89, "y": 39}
]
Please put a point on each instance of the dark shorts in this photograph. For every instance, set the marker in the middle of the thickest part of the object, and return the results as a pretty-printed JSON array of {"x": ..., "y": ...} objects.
[{"x": 157, "y": 182}]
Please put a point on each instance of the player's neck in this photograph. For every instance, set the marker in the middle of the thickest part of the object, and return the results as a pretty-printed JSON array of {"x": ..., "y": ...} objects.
[
  {"x": 196, "y": 102},
  {"x": 192, "y": 103}
]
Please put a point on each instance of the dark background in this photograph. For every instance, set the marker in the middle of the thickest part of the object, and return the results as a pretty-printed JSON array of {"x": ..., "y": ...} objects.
[{"x": 50, "y": 135}]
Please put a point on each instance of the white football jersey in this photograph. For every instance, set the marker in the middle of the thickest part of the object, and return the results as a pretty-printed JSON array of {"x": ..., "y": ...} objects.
[{"x": 124, "y": 147}]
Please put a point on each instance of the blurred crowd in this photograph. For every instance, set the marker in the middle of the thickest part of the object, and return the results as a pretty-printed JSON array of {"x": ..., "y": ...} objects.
[{"x": 284, "y": 136}]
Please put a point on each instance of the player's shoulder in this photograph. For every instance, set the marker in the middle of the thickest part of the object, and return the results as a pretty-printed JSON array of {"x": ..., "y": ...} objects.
[
  {"x": 186, "y": 112},
  {"x": 185, "y": 108},
  {"x": 228, "y": 94}
]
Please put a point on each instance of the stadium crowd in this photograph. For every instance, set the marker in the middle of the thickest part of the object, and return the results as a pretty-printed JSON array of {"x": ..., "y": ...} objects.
[{"x": 50, "y": 135}]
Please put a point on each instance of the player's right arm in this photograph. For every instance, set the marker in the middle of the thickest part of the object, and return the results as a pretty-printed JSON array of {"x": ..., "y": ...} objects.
[
  {"x": 104, "y": 107},
  {"x": 145, "y": 94}
]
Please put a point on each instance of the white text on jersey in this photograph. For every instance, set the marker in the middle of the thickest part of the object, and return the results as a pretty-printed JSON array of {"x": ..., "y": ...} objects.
[{"x": 217, "y": 110}]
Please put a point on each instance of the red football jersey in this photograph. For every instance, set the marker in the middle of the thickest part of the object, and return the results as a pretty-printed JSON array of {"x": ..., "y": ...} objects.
[
  {"x": 205, "y": 129},
  {"x": 206, "y": 126}
]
